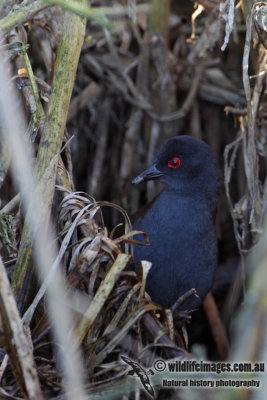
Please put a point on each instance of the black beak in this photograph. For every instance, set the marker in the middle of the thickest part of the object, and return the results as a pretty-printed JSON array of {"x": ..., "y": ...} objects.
[{"x": 147, "y": 175}]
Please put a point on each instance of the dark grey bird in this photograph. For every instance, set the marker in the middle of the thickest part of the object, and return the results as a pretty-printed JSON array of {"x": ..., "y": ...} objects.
[{"x": 180, "y": 222}]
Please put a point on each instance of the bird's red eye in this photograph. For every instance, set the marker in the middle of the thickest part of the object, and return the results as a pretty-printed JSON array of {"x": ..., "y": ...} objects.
[{"x": 175, "y": 162}]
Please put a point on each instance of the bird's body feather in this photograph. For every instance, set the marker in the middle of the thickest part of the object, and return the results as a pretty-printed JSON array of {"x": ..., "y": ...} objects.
[{"x": 184, "y": 256}]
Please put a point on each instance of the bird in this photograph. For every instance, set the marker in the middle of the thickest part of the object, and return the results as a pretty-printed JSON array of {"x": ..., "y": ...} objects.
[
  {"x": 141, "y": 373},
  {"x": 180, "y": 222}
]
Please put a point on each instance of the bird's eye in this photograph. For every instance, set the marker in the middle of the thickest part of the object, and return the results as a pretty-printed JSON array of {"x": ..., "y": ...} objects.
[{"x": 175, "y": 162}]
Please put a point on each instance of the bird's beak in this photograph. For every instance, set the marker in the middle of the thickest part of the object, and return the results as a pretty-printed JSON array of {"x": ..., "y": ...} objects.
[{"x": 148, "y": 175}]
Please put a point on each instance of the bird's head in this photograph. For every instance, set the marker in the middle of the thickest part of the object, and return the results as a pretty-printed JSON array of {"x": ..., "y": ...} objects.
[{"x": 184, "y": 164}]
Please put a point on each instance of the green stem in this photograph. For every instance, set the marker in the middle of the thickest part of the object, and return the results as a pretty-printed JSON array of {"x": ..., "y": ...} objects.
[
  {"x": 39, "y": 113},
  {"x": 67, "y": 60},
  {"x": 21, "y": 14}
]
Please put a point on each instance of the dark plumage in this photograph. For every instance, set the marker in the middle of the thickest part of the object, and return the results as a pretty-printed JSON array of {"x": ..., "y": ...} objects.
[{"x": 180, "y": 222}]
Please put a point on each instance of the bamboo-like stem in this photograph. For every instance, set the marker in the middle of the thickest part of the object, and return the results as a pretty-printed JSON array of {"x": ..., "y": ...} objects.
[
  {"x": 67, "y": 59},
  {"x": 249, "y": 142},
  {"x": 37, "y": 115},
  {"x": 22, "y": 14},
  {"x": 158, "y": 21},
  {"x": 100, "y": 297},
  {"x": 19, "y": 350}
]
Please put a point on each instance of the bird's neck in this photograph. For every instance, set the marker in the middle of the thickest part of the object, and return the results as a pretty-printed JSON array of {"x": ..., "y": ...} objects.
[{"x": 188, "y": 197}]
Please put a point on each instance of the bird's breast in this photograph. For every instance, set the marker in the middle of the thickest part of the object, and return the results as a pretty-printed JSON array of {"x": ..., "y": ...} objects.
[{"x": 183, "y": 248}]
